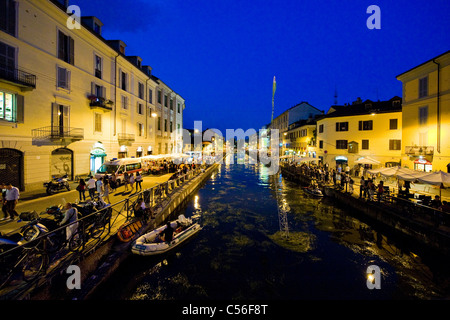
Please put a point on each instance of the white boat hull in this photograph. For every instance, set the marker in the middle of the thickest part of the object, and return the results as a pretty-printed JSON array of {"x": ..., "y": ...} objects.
[{"x": 145, "y": 245}]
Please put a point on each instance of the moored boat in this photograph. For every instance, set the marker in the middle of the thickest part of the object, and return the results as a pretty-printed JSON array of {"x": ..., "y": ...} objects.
[
  {"x": 314, "y": 191},
  {"x": 151, "y": 243}
]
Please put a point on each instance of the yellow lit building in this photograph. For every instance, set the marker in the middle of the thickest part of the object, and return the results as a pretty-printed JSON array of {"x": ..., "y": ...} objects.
[
  {"x": 426, "y": 115},
  {"x": 70, "y": 99},
  {"x": 301, "y": 138},
  {"x": 363, "y": 129}
]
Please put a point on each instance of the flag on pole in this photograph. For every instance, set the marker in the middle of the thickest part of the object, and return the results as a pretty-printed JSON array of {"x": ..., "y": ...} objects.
[{"x": 274, "y": 87}]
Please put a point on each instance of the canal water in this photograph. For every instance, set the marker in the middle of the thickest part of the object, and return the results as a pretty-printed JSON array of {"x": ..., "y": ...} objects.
[{"x": 241, "y": 253}]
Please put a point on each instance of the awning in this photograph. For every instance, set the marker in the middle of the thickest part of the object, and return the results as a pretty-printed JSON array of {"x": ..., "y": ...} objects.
[
  {"x": 422, "y": 161},
  {"x": 436, "y": 178},
  {"x": 367, "y": 160}
]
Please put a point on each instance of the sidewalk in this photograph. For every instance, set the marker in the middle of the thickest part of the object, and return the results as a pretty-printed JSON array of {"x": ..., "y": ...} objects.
[{"x": 38, "y": 200}]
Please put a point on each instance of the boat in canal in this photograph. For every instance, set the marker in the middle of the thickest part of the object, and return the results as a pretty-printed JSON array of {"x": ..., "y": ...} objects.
[
  {"x": 316, "y": 192},
  {"x": 151, "y": 243}
]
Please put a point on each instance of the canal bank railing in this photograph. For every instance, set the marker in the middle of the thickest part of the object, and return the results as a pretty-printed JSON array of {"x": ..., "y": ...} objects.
[{"x": 89, "y": 233}]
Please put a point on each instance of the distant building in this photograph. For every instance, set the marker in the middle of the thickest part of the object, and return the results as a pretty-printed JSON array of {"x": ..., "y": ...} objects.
[
  {"x": 370, "y": 128},
  {"x": 301, "y": 138},
  {"x": 426, "y": 115},
  {"x": 301, "y": 111}
]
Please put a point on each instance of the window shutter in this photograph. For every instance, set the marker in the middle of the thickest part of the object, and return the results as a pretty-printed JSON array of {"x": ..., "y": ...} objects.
[
  {"x": 60, "y": 45},
  {"x": 20, "y": 109},
  {"x": 93, "y": 88},
  {"x": 337, "y": 126},
  {"x": 104, "y": 92},
  {"x": 55, "y": 117},
  {"x": 68, "y": 74},
  {"x": 360, "y": 125}
]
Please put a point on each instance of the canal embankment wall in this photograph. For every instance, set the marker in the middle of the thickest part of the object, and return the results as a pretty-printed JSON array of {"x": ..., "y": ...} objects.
[
  {"x": 423, "y": 231},
  {"x": 97, "y": 267}
]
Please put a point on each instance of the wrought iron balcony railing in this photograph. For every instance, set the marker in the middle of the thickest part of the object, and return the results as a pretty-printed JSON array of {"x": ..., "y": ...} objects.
[
  {"x": 57, "y": 133},
  {"x": 17, "y": 76},
  {"x": 125, "y": 137},
  {"x": 101, "y": 104},
  {"x": 419, "y": 150}
]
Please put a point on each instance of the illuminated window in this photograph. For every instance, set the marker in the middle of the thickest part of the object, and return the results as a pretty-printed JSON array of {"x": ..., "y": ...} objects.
[{"x": 341, "y": 126}]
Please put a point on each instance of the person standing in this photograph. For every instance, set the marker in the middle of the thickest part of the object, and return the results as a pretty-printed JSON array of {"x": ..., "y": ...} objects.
[
  {"x": 70, "y": 219},
  {"x": 125, "y": 180},
  {"x": 106, "y": 188},
  {"x": 82, "y": 189},
  {"x": 132, "y": 182},
  {"x": 12, "y": 197},
  {"x": 99, "y": 185},
  {"x": 362, "y": 185},
  {"x": 5, "y": 212},
  {"x": 91, "y": 187},
  {"x": 138, "y": 181}
]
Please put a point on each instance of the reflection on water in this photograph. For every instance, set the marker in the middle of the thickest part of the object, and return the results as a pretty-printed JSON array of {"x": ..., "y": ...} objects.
[{"x": 241, "y": 253}]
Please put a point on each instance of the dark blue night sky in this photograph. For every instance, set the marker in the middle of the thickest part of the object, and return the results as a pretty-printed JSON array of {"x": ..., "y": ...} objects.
[{"x": 221, "y": 56}]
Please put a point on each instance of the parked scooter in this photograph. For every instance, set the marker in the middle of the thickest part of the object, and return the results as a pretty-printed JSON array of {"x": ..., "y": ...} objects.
[
  {"x": 40, "y": 226},
  {"x": 57, "y": 184}
]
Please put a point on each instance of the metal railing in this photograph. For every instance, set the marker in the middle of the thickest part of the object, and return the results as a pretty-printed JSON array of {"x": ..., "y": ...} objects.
[
  {"x": 402, "y": 206},
  {"x": 57, "y": 132},
  {"x": 98, "y": 227},
  {"x": 18, "y": 76},
  {"x": 125, "y": 136}
]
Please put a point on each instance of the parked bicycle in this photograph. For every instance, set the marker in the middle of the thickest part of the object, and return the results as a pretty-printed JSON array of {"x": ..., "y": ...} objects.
[{"x": 20, "y": 262}]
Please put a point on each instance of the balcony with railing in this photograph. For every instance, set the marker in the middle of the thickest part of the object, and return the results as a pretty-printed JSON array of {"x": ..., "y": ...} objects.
[
  {"x": 125, "y": 138},
  {"x": 100, "y": 103},
  {"x": 419, "y": 150},
  {"x": 26, "y": 81},
  {"x": 56, "y": 135}
]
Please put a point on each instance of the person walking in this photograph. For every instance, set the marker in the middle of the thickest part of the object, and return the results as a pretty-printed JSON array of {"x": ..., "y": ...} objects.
[
  {"x": 91, "y": 187},
  {"x": 106, "y": 189},
  {"x": 81, "y": 188},
  {"x": 138, "y": 181},
  {"x": 362, "y": 185},
  {"x": 12, "y": 197}
]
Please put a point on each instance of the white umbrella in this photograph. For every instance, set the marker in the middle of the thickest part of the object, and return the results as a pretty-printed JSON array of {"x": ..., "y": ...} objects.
[
  {"x": 367, "y": 160},
  {"x": 440, "y": 178}
]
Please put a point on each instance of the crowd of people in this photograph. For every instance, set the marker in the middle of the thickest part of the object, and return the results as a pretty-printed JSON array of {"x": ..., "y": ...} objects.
[
  {"x": 342, "y": 177},
  {"x": 102, "y": 187}
]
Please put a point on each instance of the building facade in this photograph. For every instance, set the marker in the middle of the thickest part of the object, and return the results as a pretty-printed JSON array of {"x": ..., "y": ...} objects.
[
  {"x": 426, "y": 115},
  {"x": 364, "y": 129},
  {"x": 70, "y": 99},
  {"x": 301, "y": 111},
  {"x": 301, "y": 138}
]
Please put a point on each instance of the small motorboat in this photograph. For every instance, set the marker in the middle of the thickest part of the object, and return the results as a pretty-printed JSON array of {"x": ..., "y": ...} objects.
[
  {"x": 314, "y": 191},
  {"x": 151, "y": 243}
]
